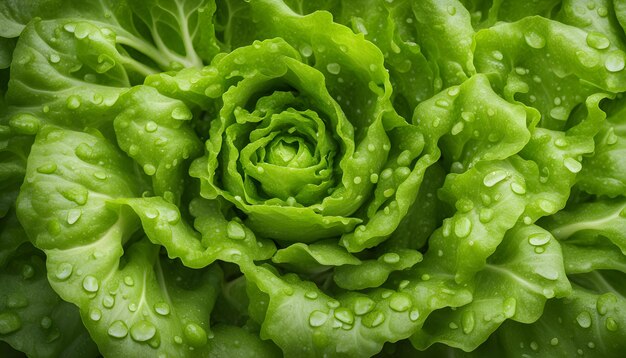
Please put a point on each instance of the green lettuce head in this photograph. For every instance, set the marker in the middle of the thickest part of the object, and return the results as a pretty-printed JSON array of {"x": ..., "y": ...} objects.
[
  {"x": 309, "y": 151},
  {"x": 199, "y": 178}
]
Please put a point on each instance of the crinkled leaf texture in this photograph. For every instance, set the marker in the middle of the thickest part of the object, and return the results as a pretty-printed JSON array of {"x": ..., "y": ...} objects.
[{"x": 331, "y": 178}]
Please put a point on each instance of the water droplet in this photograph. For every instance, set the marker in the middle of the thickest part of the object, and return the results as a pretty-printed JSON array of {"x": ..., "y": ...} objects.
[
  {"x": 151, "y": 126},
  {"x": 457, "y": 128},
  {"x": 597, "y": 40},
  {"x": 196, "y": 335},
  {"x": 534, "y": 346},
  {"x": 235, "y": 231},
  {"x": 306, "y": 50},
  {"x": 547, "y": 273},
  {"x": 142, "y": 331},
  {"x": 494, "y": 178},
  {"x": 560, "y": 142},
  {"x": 95, "y": 314},
  {"x": 391, "y": 258},
  {"x": 54, "y": 58},
  {"x": 388, "y": 193},
  {"x": 363, "y": 305},
  {"x": 73, "y": 102},
  {"x": 414, "y": 315},
  {"x": 162, "y": 308},
  {"x": 559, "y": 113},
  {"x": 468, "y": 321},
  {"x": 333, "y": 68},
  {"x": 374, "y": 178},
  {"x": 611, "y": 138},
  {"x": 73, "y": 215},
  {"x": 311, "y": 295},
  {"x": 181, "y": 113},
  {"x": 451, "y": 10},
  {"x": 539, "y": 239},
  {"x": 497, "y": 55},
  {"x": 442, "y": 103},
  {"x": 9, "y": 322},
  {"x": 604, "y": 302},
  {"x": 70, "y": 27},
  {"x": 47, "y": 168},
  {"x": 64, "y": 271},
  {"x": 546, "y": 205},
  {"x": 509, "y": 307},
  {"x": 611, "y": 324},
  {"x": 400, "y": 302},
  {"x": 317, "y": 318},
  {"x": 91, "y": 284},
  {"x": 132, "y": 307},
  {"x": 149, "y": 169},
  {"x": 344, "y": 315},
  {"x": 118, "y": 329},
  {"x": 518, "y": 188},
  {"x": 46, "y": 322},
  {"x": 108, "y": 301},
  {"x": 554, "y": 341},
  {"x": 572, "y": 165},
  {"x": 374, "y": 319},
  {"x": 587, "y": 59},
  {"x": 462, "y": 227},
  {"x": 614, "y": 62},
  {"x": 534, "y": 40},
  {"x": 584, "y": 319},
  {"x": 27, "y": 271},
  {"x": 485, "y": 215},
  {"x": 25, "y": 123},
  {"x": 213, "y": 91}
]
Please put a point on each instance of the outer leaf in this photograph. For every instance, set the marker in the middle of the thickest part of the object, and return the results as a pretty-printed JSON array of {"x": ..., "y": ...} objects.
[
  {"x": 130, "y": 302},
  {"x": 152, "y": 130},
  {"x": 525, "y": 271},
  {"x": 314, "y": 258},
  {"x": 541, "y": 63},
  {"x": 33, "y": 319},
  {"x": 589, "y": 321}
]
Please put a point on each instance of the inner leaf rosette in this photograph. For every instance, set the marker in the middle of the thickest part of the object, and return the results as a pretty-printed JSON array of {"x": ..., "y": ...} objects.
[{"x": 285, "y": 151}]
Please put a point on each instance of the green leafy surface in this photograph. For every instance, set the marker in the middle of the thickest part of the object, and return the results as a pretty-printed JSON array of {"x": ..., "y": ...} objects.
[{"x": 336, "y": 178}]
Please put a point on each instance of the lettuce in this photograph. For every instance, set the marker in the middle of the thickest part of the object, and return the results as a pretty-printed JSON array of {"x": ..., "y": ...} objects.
[{"x": 226, "y": 178}]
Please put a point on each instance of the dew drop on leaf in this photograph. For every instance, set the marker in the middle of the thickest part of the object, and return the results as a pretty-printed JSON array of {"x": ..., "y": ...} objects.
[
  {"x": 584, "y": 319},
  {"x": 462, "y": 227},
  {"x": 494, "y": 178},
  {"x": 118, "y": 329},
  {"x": 317, "y": 318},
  {"x": 539, "y": 239},
  {"x": 363, "y": 305},
  {"x": 9, "y": 322},
  {"x": 333, "y": 68},
  {"x": 344, "y": 315},
  {"x": 196, "y": 336},
  {"x": 142, "y": 331},
  {"x": 597, "y": 40},
  {"x": 534, "y": 40},
  {"x": 400, "y": 302},
  {"x": 64, "y": 271},
  {"x": 91, "y": 284},
  {"x": 614, "y": 62},
  {"x": 95, "y": 314},
  {"x": 468, "y": 321}
]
